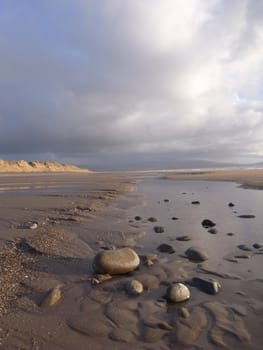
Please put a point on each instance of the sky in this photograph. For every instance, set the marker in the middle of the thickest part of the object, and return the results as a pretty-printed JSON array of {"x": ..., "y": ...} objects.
[{"x": 103, "y": 82}]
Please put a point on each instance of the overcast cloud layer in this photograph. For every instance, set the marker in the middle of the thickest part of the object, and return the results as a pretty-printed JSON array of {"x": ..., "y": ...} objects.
[{"x": 82, "y": 77}]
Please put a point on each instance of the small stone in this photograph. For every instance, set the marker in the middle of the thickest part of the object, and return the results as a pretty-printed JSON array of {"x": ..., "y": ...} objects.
[
  {"x": 206, "y": 223},
  {"x": 230, "y": 234},
  {"x": 209, "y": 286},
  {"x": 183, "y": 238},
  {"x": 115, "y": 262},
  {"x": 196, "y": 254},
  {"x": 158, "y": 229},
  {"x": 166, "y": 200},
  {"x": 246, "y": 216},
  {"x": 174, "y": 218},
  {"x": 33, "y": 226},
  {"x": 244, "y": 247},
  {"x": 134, "y": 287},
  {"x": 53, "y": 297},
  {"x": 137, "y": 218},
  {"x": 178, "y": 292},
  {"x": 258, "y": 245},
  {"x": 166, "y": 248},
  {"x": 195, "y": 202},
  {"x": 231, "y": 205},
  {"x": 184, "y": 312},
  {"x": 213, "y": 231},
  {"x": 152, "y": 219}
]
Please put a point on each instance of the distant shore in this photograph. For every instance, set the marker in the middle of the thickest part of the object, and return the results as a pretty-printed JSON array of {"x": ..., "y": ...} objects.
[
  {"x": 251, "y": 178},
  {"x": 22, "y": 166}
]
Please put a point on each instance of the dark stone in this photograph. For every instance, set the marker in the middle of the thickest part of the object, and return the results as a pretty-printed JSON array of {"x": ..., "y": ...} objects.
[
  {"x": 246, "y": 216},
  {"x": 209, "y": 286},
  {"x": 258, "y": 245},
  {"x": 195, "y": 202},
  {"x": 166, "y": 248},
  {"x": 183, "y": 238},
  {"x": 137, "y": 218},
  {"x": 206, "y": 223},
  {"x": 244, "y": 247},
  {"x": 213, "y": 231},
  {"x": 158, "y": 229},
  {"x": 166, "y": 200},
  {"x": 174, "y": 218},
  {"x": 196, "y": 254},
  {"x": 152, "y": 219},
  {"x": 231, "y": 205},
  {"x": 230, "y": 234}
]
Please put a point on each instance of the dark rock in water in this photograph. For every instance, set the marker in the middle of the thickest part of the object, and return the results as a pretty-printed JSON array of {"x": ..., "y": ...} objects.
[
  {"x": 230, "y": 234},
  {"x": 258, "y": 245},
  {"x": 137, "y": 218},
  {"x": 183, "y": 238},
  {"x": 174, "y": 218},
  {"x": 115, "y": 262},
  {"x": 196, "y": 254},
  {"x": 206, "y": 223},
  {"x": 246, "y": 216},
  {"x": 231, "y": 205},
  {"x": 244, "y": 247},
  {"x": 166, "y": 248},
  {"x": 213, "y": 231},
  {"x": 209, "y": 286},
  {"x": 152, "y": 219},
  {"x": 195, "y": 202},
  {"x": 166, "y": 200},
  {"x": 178, "y": 292},
  {"x": 158, "y": 229}
]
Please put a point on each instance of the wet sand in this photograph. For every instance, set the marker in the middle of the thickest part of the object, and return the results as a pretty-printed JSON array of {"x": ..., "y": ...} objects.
[{"x": 77, "y": 216}]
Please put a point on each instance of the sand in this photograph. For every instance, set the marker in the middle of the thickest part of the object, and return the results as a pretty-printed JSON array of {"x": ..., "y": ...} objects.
[{"x": 50, "y": 298}]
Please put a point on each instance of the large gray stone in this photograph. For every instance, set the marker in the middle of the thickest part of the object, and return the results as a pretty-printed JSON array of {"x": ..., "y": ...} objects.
[{"x": 115, "y": 262}]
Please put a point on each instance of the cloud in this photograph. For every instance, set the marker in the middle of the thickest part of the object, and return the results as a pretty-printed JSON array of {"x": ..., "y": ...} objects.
[{"x": 105, "y": 77}]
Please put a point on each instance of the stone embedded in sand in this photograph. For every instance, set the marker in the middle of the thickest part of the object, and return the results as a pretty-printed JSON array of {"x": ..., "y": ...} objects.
[
  {"x": 244, "y": 247},
  {"x": 206, "y": 223},
  {"x": 115, "y": 262},
  {"x": 158, "y": 229},
  {"x": 178, "y": 293},
  {"x": 53, "y": 297},
  {"x": 152, "y": 219},
  {"x": 195, "y": 202},
  {"x": 246, "y": 216},
  {"x": 213, "y": 231},
  {"x": 33, "y": 226},
  {"x": 183, "y": 238},
  {"x": 166, "y": 248},
  {"x": 137, "y": 218},
  {"x": 231, "y": 205},
  {"x": 174, "y": 218},
  {"x": 196, "y": 254},
  {"x": 258, "y": 245},
  {"x": 209, "y": 285},
  {"x": 134, "y": 287}
]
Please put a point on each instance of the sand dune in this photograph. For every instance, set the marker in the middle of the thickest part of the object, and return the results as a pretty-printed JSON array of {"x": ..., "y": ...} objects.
[{"x": 22, "y": 166}]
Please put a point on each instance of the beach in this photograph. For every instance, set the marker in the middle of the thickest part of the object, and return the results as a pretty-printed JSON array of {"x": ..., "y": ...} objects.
[{"x": 53, "y": 225}]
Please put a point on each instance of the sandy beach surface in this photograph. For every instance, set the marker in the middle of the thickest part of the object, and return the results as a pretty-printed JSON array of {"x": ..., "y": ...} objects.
[{"x": 53, "y": 225}]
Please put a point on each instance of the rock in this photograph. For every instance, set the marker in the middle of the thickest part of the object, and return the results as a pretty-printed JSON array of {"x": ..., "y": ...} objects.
[
  {"x": 184, "y": 312},
  {"x": 134, "y": 287},
  {"x": 206, "y": 223},
  {"x": 231, "y": 205},
  {"x": 158, "y": 229},
  {"x": 213, "y": 231},
  {"x": 246, "y": 216},
  {"x": 166, "y": 248},
  {"x": 183, "y": 238},
  {"x": 244, "y": 247},
  {"x": 137, "y": 218},
  {"x": 174, "y": 218},
  {"x": 195, "y": 202},
  {"x": 196, "y": 254},
  {"x": 166, "y": 200},
  {"x": 178, "y": 293},
  {"x": 209, "y": 286},
  {"x": 258, "y": 245},
  {"x": 53, "y": 297},
  {"x": 152, "y": 219},
  {"x": 33, "y": 226},
  {"x": 115, "y": 262},
  {"x": 99, "y": 278},
  {"x": 230, "y": 234},
  {"x": 148, "y": 260}
]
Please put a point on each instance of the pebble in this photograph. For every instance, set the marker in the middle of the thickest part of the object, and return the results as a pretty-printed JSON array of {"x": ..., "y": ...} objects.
[
  {"x": 258, "y": 245},
  {"x": 158, "y": 229},
  {"x": 209, "y": 286},
  {"x": 152, "y": 219},
  {"x": 178, "y": 292},
  {"x": 52, "y": 298},
  {"x": 134, "y": 287},
  {"x": 137, "y": 218},
  {"x": 166, "y": 248},
  {"x": 231, "y": 205},
  {"x": 33, "y": 226},
  {"x": 196, "y": 254},
  {"x": 183, "y": 238},
  {"x": 244, "y": 247},
  {"x": 246, "y": 216},
  {"x": 174, "y": 218},
  {"x": 206, "y": 223},
  {"x": 115, "y": 262},
  {"x": 195, "y": 202}
]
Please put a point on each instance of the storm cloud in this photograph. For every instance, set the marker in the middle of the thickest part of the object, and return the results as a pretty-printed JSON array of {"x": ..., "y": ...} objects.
[{"x": 86, "y": 77}]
